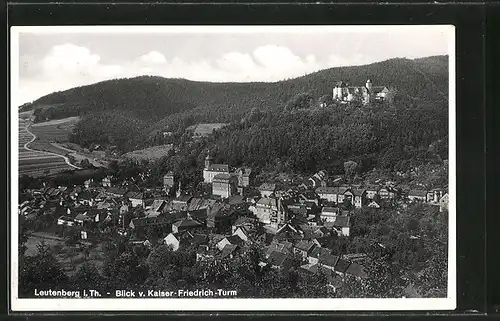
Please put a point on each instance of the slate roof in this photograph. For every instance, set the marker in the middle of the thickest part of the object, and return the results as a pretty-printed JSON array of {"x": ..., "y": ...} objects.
[
  {"x": 305, "y": 245},
  {"x": 328, "y": 260},
  {"x": 187, "y": 222},
  {"x": 116, "y": 191},
  {"x": 221, "y": 177},
  {"x": 334, "y": 210},
  {"x": 342, "y": 265},
  {"x": 228, "y": 250},
  {"x": 235, "y": 239},
  {"x": 356, "y": 270},
  {"x": 218, "y": 168},
  {"x": 416, "y": 192},
  {"x": 358, "y": 192},
  {"x": 267, "y": 187},
  {"x": 327, "y": 190},
  {"x": 318, "y": 252},
  {"x": 277, "y": 258},
  {"x": 342, "y": 221}
]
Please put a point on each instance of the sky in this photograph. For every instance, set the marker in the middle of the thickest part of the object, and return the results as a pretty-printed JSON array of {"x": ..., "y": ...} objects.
[{"x": 54, "y": 59}]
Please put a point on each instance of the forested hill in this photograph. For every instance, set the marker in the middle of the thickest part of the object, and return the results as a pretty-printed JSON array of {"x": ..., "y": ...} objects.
[{"x": 149, "y": 104}]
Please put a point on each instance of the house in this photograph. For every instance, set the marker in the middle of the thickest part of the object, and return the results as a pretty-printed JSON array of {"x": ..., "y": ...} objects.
[
  {"x": 416, "y": 195},
  {"x": 204, "y": 253},
  {"x": 136, "y": 198},
  {"x": 185, "y": 224},
  {"x": 328, "y": 214},
  {"x": 267, "y": 189},
  {"x": 342, "y": 266},
  {"x": 371, "y": 191},
  {"x": 175, "y": 240},
  {"x": 434, "y": 195},
  {"x": 279, "y": 260},
  {"x": 233, "y": 239},
  {"x": 116, "y": 192},
  {"x": 386, "y": 193},
  {"x": 316, "y": 253},
  {"x": 211, "y": 170},
  {"x": 66, "y": 221},
  {"x": 443, "y": 203},
  {"x": 249, "y": 224},
  {"x": 359, "y": 197},
  {"x": 82, "y": 218},
  {"x": 263, "y": 209},
  {"x": 172, "y": 240},
  {"x": 168, "y": 180},
  {"x": 283, "y": 247},
  {"x": 309, "y": 196},
  {"x": 334, "y": 280},
  {"x": 304, "y": 247},
  {"x": 106, "y": 181},
  {"x": 245, "y": 176},
  {"x": 373, "y": 204},
  {"x": 123, "y": 209},
  {"x": 228, "y": 251},
  {"x": 342, "y": 225},
  {"x": 224, "y": 185},
  {"x": 329, "y": 194},
  {"x": 328, "y": 261},
  {"x": 242, "y": 232}
]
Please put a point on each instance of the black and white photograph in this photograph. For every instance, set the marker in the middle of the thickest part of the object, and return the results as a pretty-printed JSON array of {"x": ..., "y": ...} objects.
[{"x": 233, "y": 168}]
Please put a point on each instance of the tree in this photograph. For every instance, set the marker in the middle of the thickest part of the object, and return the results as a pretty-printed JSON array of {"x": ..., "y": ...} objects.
[
  {"x": 350, "y": 168},
  {"x": 87, "y": 277},
  {"x": 40, "y": 272},
  {"x": 71, "y": 236}
]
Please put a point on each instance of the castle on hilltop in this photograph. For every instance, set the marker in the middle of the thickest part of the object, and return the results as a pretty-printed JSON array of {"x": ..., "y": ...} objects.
[{"x": 365, "y": 94}]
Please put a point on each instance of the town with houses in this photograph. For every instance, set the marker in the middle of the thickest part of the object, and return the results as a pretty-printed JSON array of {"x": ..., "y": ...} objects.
[{"x": 285, "y": 216}]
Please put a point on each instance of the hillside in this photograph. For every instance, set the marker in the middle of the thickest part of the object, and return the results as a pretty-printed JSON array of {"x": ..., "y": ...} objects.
[{"x": 155, "y": 104}]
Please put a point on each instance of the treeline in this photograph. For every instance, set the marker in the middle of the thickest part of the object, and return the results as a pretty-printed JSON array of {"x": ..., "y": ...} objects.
[{"x": 172, "y": 104}]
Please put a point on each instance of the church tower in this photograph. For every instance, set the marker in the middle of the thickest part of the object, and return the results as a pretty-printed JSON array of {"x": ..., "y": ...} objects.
[
  {"x": 208, "y": 161},
  {"x": 369, "y": 85}
]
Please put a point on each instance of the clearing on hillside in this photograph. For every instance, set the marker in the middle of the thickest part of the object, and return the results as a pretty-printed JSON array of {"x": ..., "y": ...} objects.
[{"x": 150, "y": 153}]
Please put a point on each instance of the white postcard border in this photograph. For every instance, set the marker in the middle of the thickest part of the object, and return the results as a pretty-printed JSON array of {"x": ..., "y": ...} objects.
[{"x": 182, "y": 305}]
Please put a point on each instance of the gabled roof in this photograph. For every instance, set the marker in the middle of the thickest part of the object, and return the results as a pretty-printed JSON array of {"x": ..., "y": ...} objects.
[
  {"x": 356, "y": 270},
  {"x": 417, "y": 192},
  {"x": 228, "y": 250},
  {"x": 235, "y": 239},
  {"x": 187, "y": 222},
  {"x": 277, "y": 258},
  {"x": 342, "y": 265},
  {"x": 358, "y": 192},
  {"x": 318, "y": 252},
  {"x": 135, "y": 195},
  {"x": 116, "y": 191},
  {"x": 267, "y": 202},
  {"x": 328, "y": 260},
  {"x": 305, "y": 245},
  {"x": 327, "y": 190},
  {"x": 267, "y": 187},
  {"x": 342, "y": 221},
  {"x": 335, "y": 210},
  {"x": 222, "y": 177},
  {"x": 218, "y": 168}
]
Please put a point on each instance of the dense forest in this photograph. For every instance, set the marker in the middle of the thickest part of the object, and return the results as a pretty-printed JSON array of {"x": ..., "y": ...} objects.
[{"x": 161, "y": 104}]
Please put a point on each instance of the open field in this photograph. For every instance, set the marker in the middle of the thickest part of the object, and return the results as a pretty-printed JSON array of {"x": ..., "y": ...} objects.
[
  {"x": 57, "y": 130},
  {"x": 150, "y": 153},
  {"x": 35, "y": 162},
  {"x": 70, "y": 258},
  {"x": 205, "y": 129}
]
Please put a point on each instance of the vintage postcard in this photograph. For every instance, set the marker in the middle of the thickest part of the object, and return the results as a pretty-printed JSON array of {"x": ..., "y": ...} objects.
[{"x": 233, "y": 168}]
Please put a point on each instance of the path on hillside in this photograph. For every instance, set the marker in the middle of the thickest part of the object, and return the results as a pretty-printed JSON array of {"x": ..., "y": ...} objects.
[
  {"x": 66, "y": 159},
  {"x": 77, "y": 155}
]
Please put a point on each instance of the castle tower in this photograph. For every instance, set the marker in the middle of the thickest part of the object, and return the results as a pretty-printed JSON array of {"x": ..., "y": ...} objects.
[{"x": 208, "y": 160}]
